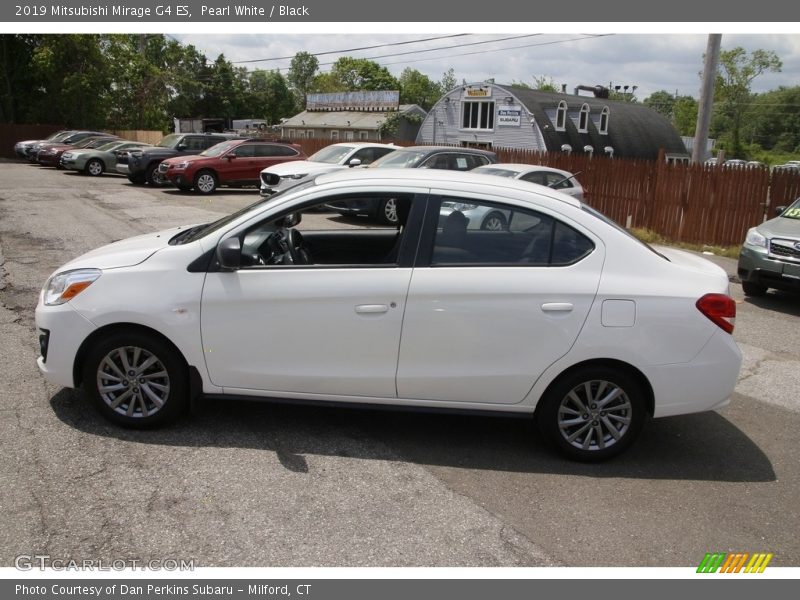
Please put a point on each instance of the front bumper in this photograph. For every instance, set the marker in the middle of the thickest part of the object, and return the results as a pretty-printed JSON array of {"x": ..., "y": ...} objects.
[
  {"x": 759, "y": 267},
  {"x": 60, "y": 331}
]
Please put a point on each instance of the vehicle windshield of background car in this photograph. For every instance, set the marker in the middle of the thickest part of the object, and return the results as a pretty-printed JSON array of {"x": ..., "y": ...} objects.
[
  {"x": 399, "y": 159},
  {"x": 498, "y": 172},
  {"x": 218, "y": 149},
  {"x": 111, "y": 145},
  {"x": 171, "y": 141},
  {"x": 793, "y": 212},
  {"x": 331, "y": 154}
]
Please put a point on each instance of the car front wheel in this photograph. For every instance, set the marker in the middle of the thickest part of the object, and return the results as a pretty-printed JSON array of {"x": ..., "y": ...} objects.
[
  {"x": 136, "y": 380},
  {"x": 153, "y": 177},
  {"x": 594, "y": 413},
  {"x": 205, "y": 182},
  {"x": 387, "y": 212},
  {"x": 494, "y": 222},
  {"x": 94, "y": 167}
]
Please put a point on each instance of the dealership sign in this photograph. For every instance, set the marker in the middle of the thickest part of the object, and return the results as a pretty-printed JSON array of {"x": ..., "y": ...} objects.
[{"x": 510, "y": 116}]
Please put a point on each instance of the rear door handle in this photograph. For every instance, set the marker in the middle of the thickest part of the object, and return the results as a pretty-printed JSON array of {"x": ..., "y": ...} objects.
[
  {"x": 372, "y": 308},
  {"x": 557, "y": 306}
]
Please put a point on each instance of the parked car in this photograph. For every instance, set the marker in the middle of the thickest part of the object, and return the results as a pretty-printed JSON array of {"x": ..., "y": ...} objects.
[
  {"x": 73, "y": 138},
  {"x": 330, "y": 158},
  {"x": 556, "y": 179},
  {"x": 23, "y": 148},
  {"x": 141, "y": 166},
  {"x": 234, "y": 163},
  {"x": 51, "y": 155},
  {"x": 412, "y": 157},
  {"x": 734, "y": 163},
  {"x": 770, "y": 255},
  {"x": 554, "y": 318},
  {"x": 96, "y": 161}
]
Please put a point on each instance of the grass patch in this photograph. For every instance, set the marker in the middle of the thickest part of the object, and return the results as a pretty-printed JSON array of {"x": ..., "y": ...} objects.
[{"x": 651, "y": 237}]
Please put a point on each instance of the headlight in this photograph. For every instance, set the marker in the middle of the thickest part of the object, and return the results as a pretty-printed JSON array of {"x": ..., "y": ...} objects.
[
  {"x": 66, "y": 155},
  {"x": 182, "y": 165},
  {"x": 754, "y": 238},
  {"x": 63, "y": 287},
  {"x": 294, "y": 176}
]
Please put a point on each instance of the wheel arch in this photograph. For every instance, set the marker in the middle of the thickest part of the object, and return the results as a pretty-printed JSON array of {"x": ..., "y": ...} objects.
[
  {"x": 609, "y": 363},
  {"x": 195, "y": 380}
]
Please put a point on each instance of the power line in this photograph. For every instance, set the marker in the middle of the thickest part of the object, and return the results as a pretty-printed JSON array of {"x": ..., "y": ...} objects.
[{"x": 440, "y": 37}]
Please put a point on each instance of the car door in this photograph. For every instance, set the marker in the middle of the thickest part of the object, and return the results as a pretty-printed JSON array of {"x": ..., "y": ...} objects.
[
  {"x": 331, "y": 327},
  {"x": 238, "y": 164},
  {"x": 489, "y": 310}
]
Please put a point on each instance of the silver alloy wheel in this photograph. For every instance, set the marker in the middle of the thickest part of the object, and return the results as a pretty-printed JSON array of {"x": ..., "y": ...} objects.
[
  {"x": 494, "y": 223},
  {"x": 133, "y": 382},
  {"x": 390, "y": 210},
  {"x": 205, "y": 183},
  {"x": 594, "y": 415},
  {"x": 95, "y": 168}
]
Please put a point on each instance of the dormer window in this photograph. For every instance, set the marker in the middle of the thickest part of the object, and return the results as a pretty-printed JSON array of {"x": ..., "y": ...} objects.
[
  {"x": 583, "y": 119},
  {"x": 561, "y": 116},
  {"x": 603, "y": 129}
]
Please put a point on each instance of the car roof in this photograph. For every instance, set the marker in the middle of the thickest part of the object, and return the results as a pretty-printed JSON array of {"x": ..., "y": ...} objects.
[
  {"x": 432, "y": 149},
  {"x": 433, "y": 177},
  {"x": 364, "y": 145}
]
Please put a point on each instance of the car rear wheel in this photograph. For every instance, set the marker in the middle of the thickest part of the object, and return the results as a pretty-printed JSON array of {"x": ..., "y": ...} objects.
[
  {"x": 387, "y": 212},
  {"x": 94, "y": 167},
  {"x": 594, "y": 413},
  {"x": 753, "y": 289},
  {"x": 205, "y": 182},
  {"x": 136, "y": 380}
]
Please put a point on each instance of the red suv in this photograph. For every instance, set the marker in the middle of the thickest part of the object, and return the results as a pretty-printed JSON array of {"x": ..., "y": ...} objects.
[{"x": 234, "y": 163}]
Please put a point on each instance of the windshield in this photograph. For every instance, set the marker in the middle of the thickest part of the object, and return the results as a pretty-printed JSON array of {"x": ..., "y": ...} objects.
[
  {"x": 110, "y": 145},
  {"x": 399, "y": 159},
  {"x": 171, "y": 141},
  {"x": 793, "y": 212},
  {"x": 200, "y": 231},
  {"x": 496, "y": 171},
  {"x": 332, "y": 154},
  {"x": 618, "y": 227},
  {"x": 218, "y": 149}
]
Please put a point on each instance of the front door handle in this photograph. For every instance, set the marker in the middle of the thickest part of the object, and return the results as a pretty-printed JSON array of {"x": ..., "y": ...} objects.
[
  {"x": 557, "y": 306},
  {"x": 365, "y": 309}
]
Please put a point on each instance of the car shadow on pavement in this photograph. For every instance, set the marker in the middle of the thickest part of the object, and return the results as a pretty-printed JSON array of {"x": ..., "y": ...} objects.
[
  {"x": 705, "y": 446},
  {"x": 253, "y": 192},
  {"x": 775, "y": 300}
]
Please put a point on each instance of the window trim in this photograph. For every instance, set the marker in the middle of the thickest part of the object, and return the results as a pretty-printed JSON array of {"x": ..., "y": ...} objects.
[
  {"x": 489, "y": 106},
  {"x": 604, "y": 116}
]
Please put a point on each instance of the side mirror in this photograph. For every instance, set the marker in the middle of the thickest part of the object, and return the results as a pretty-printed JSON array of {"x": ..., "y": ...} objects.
[
  {"x": 779, "y": 210},
  {"x": 230, "y": 156},
  {"x": 354, "y": 162},
  {"x": 181, "y": 147},
  {"x": 290, "y": 220},
  {"x": 229, "y": 254}
]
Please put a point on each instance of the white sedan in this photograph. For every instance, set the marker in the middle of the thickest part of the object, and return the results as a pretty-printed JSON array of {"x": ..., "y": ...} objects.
[
  {"x": 556, "y": 179},
  {"x": 562, "y": 317},
  {"x": 331, "y": 158}
]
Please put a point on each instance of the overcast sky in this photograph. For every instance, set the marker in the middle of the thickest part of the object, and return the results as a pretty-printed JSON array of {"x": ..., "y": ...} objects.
[{"x": 650, "y": 61}]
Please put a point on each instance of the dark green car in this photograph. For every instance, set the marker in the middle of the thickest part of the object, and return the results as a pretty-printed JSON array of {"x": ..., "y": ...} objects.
[{"x": 770, "y": 255}]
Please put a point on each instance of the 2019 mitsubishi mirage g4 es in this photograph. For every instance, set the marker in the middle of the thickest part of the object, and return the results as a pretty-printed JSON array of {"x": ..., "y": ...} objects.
[{"x": 560, "y": 316}]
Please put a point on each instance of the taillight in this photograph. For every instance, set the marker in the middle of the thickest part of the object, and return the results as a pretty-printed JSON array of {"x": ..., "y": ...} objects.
[{"x": 721, "y": 309}]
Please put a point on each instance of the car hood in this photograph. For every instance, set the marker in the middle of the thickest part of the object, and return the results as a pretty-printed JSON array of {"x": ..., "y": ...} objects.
[
  {"x": 124, "y": 253},
  {"x": 192, "y": 157},
  {"x": 301, "y": 166},
  {"x": 781, "y": 226}
]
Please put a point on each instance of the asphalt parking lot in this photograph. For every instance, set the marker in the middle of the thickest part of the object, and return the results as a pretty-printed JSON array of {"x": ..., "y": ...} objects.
[{"x": 257, "y": 484}]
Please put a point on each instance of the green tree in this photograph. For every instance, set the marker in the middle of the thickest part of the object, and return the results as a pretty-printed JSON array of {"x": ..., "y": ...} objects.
[
  {"x": 227, "y": 86},
  {"x": 774, "y": 121},
  {"x": 448, "y": 81},
  {"x": 269, "y": 96},
  {"x": 362, "y": 74},
  {"x": 662, "y": 102},
  {"x": 72, "y": 81},
  {"x": 417, "y": 88},
  {"x": 732, "y": 93},
  {"x": 301, "y": 75},
  {"x": 18, "y": 83}
]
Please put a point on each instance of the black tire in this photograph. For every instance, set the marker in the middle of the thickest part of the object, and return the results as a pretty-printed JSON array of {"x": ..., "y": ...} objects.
[
  {"x": 494, "y": 221},
  {"x": 387, "y": 211},
  {"x": 94, "y": 167},
  {"x": 152, "y": 176},
  {"x": 753, "y": 289},
  {"x": 184, "y": 188},
  {"x": 128, "y": 395},
  {"x": 205, "y": 182},
  {"x": 137, "y": 179},
  {"x": 598, "y": 432}
]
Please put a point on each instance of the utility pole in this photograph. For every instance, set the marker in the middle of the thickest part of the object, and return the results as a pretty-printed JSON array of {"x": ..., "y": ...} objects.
[{"x": 706, "y": 98}]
